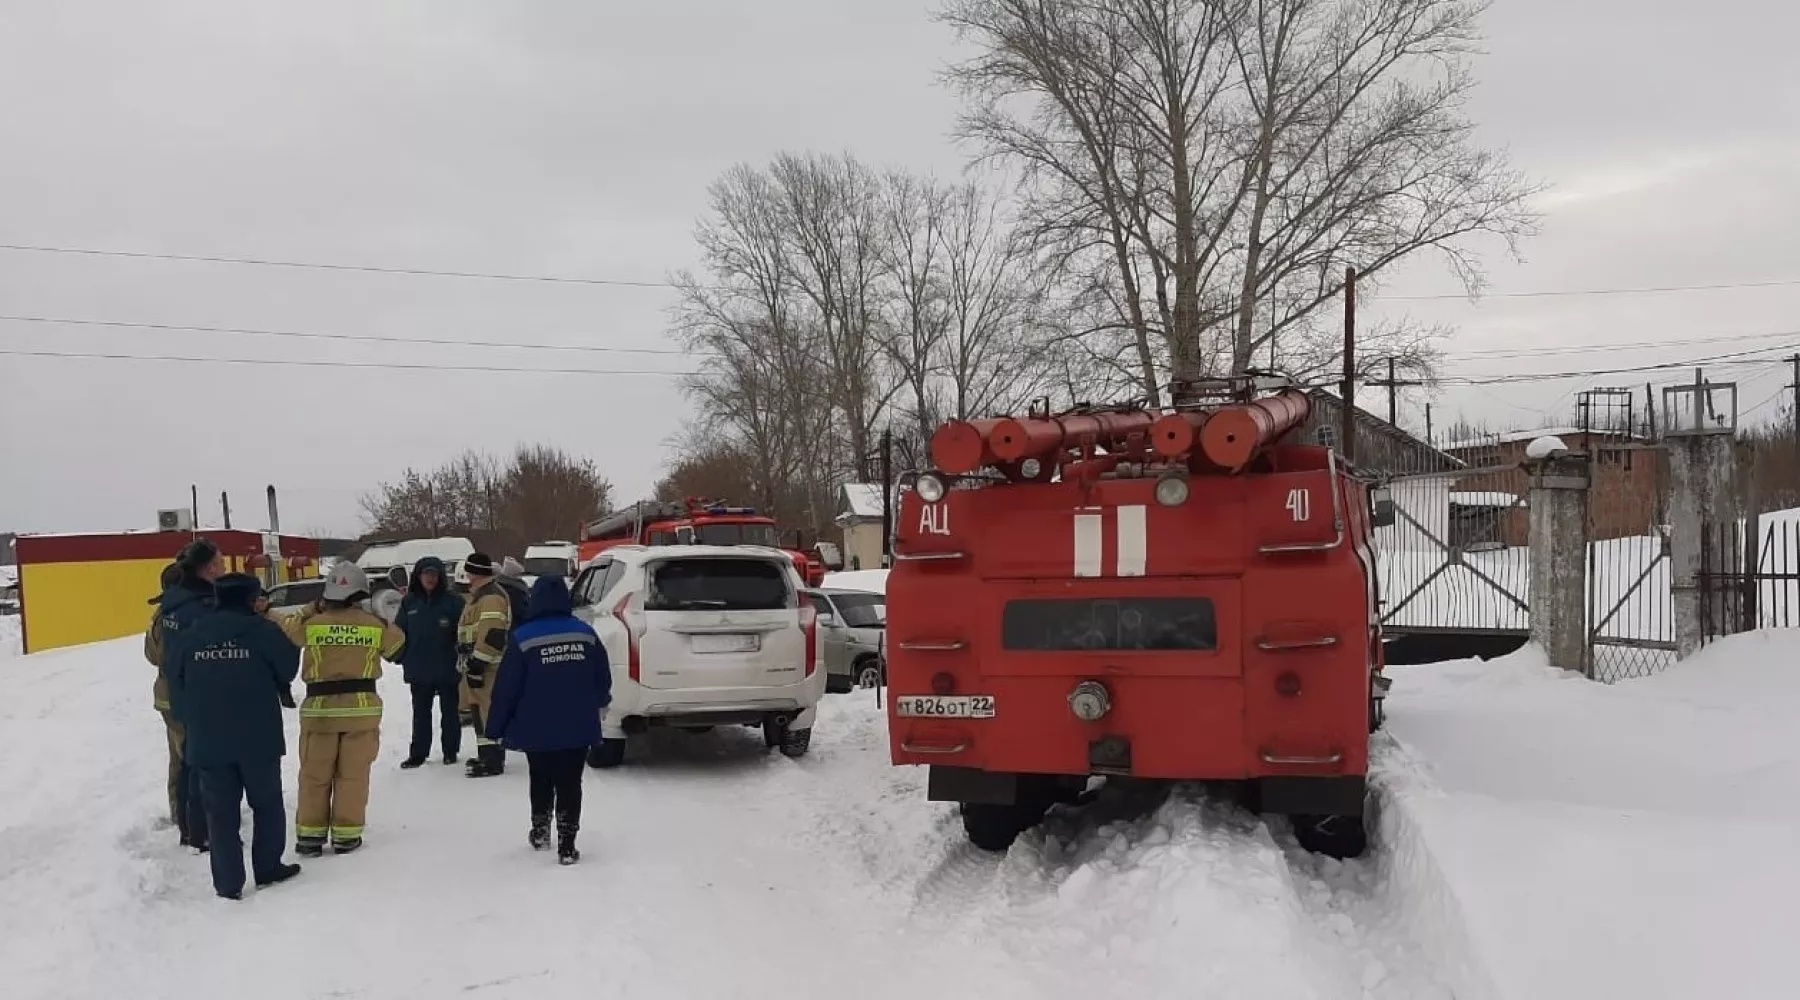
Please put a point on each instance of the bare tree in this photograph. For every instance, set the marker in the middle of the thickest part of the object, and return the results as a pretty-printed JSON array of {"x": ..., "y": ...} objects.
[
  {"x": 1209, "y": 168},
  {"x": 547, "y": 493}
]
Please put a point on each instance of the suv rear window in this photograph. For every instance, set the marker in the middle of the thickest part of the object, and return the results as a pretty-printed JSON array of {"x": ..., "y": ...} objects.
[
  {"x": 717, "y": 585},
  {"x": 1063, "y": 625}
]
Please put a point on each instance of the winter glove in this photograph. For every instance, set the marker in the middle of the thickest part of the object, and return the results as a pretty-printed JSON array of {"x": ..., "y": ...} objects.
[
  {"x": 286, "y": 694},
  {"x": 463, "y": 649}
]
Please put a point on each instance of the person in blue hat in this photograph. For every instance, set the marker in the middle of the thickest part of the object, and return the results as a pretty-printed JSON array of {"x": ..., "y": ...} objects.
[
  {"x": 227, "y": 680},
  {"x": 554, "y": 683}
]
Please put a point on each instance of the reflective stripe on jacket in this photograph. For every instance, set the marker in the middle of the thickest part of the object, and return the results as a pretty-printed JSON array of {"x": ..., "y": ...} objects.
[{"x": 342, "y": 644}]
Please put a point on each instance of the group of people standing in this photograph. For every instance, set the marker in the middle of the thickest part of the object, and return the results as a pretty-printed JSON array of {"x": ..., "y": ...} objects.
[{"x": 537, "y": 677}]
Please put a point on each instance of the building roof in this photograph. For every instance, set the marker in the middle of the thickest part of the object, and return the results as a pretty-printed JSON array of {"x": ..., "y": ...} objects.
[
  {"x": 1403, "y": 452},
  {"x": 1523, "y": 436},
  {"x": 859, "y": 502}
]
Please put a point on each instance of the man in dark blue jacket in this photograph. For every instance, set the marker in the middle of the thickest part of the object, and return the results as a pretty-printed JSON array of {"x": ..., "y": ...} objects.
[
  {"x": 554, "y": 684},
  {"x": 226, "y": 681},
  {"x": 183, "y": 602},
  {"x": 429, "y": 617}
]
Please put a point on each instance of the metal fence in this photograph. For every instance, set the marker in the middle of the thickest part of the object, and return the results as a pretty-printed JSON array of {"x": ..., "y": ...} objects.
[{"x": 1750, "y": 575}]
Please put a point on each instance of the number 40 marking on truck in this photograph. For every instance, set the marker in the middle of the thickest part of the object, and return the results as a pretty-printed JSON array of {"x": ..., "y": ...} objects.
[{"x": 1299, "y": 504}]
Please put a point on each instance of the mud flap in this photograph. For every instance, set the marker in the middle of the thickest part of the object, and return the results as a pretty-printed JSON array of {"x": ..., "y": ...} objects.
[
  {"x": 1334, "y": 796},
  {"x": 968, "y": 784}
]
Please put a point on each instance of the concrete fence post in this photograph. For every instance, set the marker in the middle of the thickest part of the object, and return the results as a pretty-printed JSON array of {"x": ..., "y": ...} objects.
[
  {"x": 1701, "y": 499},
  {"x": 1559, "y": 563}
]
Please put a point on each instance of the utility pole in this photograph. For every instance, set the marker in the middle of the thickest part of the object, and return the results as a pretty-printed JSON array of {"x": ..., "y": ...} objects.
[
  {"x": 1393, "y": 387},
  {"x": 1429, "y": 439},
  {"x": 194, "y": 502},
  {"x": 1347, "y": 428},
  {"x": 225, "y": 507}
]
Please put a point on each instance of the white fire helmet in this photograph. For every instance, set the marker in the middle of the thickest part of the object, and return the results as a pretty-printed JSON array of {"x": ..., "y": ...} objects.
[{"x": 346, "y": 582}]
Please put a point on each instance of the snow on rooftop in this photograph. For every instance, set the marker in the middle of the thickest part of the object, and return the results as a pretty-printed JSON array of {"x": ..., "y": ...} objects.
[
  {"x": 412, "y": 550},
  {"x": 862, "y": 499},
  {"x": 1492, "y": 498},
  {"x": 1508, "y": 437},
  {"x": 9, "y": 575}
]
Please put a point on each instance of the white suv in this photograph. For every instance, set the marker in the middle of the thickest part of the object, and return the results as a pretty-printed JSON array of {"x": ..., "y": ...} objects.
[{"x": 703, "y": 635}]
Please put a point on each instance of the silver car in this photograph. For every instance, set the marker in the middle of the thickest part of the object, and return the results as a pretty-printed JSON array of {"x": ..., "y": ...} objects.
[{"x": 853, "y": 628}]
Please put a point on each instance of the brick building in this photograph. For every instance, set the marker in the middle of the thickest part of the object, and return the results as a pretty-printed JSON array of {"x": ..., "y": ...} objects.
[{"x": 1628, "y": 477}]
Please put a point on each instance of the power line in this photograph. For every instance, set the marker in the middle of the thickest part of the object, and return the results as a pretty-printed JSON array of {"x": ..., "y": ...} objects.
[
  {"x": 87, "y": 356},
  {"x": 1642, "y": 290},
  {"x": 1452, "y": 356},
  {"x": 320, "y": 335},
  {"x": 325, "y": 266},
  {"x": 1513, "y": 352},
  {"x": 1733, "y": 358},
  {"x": 631, "y": 283}
]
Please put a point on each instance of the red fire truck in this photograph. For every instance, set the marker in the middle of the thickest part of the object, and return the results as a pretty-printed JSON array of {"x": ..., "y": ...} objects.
[
  {"x": 1120, "y": 592},
  {"x": 692, "y": 521}
]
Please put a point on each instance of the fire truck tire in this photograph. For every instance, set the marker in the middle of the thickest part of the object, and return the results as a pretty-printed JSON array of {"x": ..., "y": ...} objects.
[
  {"x": 1340, "y": 837},
  {"x": 795, "y": 742},
  {"x": 606, "y": 754},
  {"x": 991, "y": 827}
]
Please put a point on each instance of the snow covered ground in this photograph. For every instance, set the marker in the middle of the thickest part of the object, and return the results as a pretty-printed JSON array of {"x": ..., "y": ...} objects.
[
  {"x": 710, "y": 869},
  {"x": 1633, "y": 840},
  {"x": 10, "y": 636},
  {"x": 1540, "y": 837}
]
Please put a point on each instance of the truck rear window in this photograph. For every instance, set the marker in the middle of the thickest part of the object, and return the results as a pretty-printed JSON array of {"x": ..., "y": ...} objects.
[
  {"x": 1064, "y": 625},
  {"x": 717, "y": 585}
]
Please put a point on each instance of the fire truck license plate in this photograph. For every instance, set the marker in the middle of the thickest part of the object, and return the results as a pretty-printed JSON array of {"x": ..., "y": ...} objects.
[{"x": 934, "y": 706}]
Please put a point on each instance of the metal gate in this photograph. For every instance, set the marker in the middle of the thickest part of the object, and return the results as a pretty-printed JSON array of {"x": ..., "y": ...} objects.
[
  {"x": 1455, "y": 559},
  {"x": 1630, "y": 612}
]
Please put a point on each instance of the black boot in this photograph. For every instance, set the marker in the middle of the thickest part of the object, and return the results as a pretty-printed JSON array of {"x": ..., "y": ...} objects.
[
  {"x": 449, "y": 758},
  {"x": 309, "y": 847},
  {"x": 346, "y": 845},
  {"x": 281, "y": 874},
  {"x": 412, "y": 762},
  {"x": 540, "y": 831},
  {"x": 566, "y": 854}
]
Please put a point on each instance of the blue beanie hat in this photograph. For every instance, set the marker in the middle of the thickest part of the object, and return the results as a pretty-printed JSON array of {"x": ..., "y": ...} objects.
[{"x": 237, "y": 590}]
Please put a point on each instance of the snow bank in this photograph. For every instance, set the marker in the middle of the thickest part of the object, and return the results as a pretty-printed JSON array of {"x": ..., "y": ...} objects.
[
  {"x": 11, "y": 635},
  {"x": 1608, "y": 840}
]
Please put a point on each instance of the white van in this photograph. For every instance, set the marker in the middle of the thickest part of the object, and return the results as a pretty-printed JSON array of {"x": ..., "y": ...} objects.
[
  {"x": 551, "y": 559},
  {"x": 704, "y": 635}
]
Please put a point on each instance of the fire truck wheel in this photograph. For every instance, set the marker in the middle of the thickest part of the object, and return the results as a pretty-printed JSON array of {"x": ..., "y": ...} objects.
[
  {"x": 795, "y": 742},
  {"x": 607, "y": 754},
  {"x": 1338, "y": 837},
  {"x": 992, "y": 827}
]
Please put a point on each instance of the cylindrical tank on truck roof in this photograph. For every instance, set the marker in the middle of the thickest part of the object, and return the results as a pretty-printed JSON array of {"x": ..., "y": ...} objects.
[
  {"x": 1233, "y": 435},
  {"x": 1016, "y": 440}
]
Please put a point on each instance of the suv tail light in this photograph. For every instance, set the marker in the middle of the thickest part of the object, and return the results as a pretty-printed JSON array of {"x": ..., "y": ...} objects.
[
  {"x": 809, "y": 621},
  {"x": 634, "y": 630}
]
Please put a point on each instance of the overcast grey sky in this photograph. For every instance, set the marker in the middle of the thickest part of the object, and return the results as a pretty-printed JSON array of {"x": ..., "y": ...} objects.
[{"x": 576, "y": 137}]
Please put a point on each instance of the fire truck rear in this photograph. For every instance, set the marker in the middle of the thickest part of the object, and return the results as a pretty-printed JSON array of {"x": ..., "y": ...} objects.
[{"x": 1146, "y": 595}]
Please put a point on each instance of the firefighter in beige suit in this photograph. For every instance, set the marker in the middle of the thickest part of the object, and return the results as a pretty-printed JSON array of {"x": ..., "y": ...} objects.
[
  {"x": 481, "y": 638},
  {"x": 342, "y": 647}
]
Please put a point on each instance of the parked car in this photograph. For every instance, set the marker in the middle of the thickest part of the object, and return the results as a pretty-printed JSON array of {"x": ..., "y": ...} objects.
[
  {"x": 852, "y": 626},
  {"x": 704, "y": 635},
  {"x": 385, "y": 594},
  {"x": 288, "y": 598}
]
